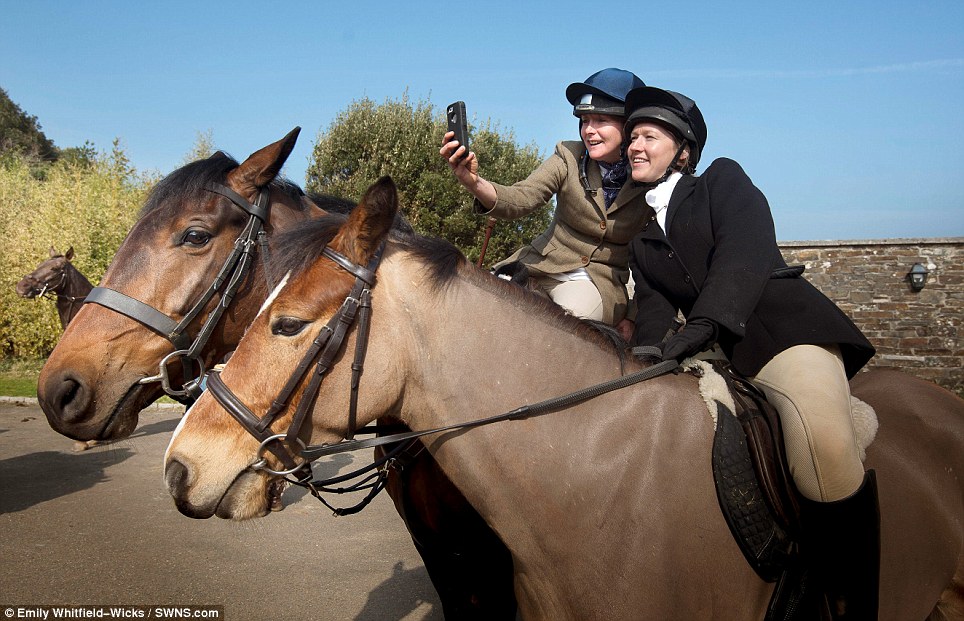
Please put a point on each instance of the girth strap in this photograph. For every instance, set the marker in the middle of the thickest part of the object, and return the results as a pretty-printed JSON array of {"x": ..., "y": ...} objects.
[{"x": 141, "y": 312}]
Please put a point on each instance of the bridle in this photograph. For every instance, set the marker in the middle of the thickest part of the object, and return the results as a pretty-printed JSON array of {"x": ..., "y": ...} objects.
[
  {"x": 227, "y": 282},
  {"x": 48, "y": 289},
  {"x": 322, "y": 353},
  {"x": 288, "y": 446}
]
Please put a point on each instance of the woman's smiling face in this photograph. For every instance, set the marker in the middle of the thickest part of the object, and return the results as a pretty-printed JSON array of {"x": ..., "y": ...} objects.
[
  {"x": 651, "y": 151},
  {"x": 603, "y": 136}
]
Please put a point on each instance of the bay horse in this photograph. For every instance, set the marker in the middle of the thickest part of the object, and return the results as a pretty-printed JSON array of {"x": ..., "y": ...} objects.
[
  {"x": 607, "y": 506},
  {"x": 103, "y": 371},
  {"x": 58, "y": 278}
]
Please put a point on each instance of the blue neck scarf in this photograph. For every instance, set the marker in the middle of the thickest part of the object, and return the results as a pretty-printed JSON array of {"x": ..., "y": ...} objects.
[{"x": 613, "y": 178}]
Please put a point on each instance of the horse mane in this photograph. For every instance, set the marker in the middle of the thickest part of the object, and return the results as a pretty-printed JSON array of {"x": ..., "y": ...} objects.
[
  {"x": 191, "y": 179},
  {"x": 444, "y": 263}
]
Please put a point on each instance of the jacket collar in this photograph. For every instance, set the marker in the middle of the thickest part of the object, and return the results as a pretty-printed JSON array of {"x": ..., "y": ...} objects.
[{"x": 651, "y": 229}]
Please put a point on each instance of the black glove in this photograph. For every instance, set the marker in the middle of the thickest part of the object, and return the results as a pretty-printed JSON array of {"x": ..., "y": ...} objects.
[{"x": 697, "y": 335}]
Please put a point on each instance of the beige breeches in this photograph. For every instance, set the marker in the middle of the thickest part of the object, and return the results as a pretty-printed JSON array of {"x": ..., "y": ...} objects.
[
  {"x": 807, "y": 384},
  {"x": 579, "y": 297}
]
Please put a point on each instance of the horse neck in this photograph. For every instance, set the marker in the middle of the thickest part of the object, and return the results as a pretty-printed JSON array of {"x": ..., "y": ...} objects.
[
  {"x": 476, "y": 353},
  {"x": 71, "y": 293}
]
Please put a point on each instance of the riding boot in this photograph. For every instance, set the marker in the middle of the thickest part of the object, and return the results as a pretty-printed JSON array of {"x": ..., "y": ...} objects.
[{"x": 842, "y": 540}]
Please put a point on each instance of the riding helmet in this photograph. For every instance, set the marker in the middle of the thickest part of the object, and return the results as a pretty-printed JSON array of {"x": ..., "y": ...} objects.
[
  {"x": 604, "y": 92},
  {"x": 677, "y": 112}
]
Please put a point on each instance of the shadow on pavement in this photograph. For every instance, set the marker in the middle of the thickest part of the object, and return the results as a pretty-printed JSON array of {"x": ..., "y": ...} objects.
[
  {"x": 405, "y": 591},
  {"x": 31, "y": 479},
  {"x": 164, "y": 426}
]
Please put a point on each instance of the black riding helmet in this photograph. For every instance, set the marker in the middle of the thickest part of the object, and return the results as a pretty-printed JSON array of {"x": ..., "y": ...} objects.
[
  {"x": 604, "y": 92},
  {"x": 677, "y": 112}
]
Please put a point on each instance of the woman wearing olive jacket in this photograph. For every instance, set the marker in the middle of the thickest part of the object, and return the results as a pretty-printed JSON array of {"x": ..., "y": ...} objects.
[
  {"x": 581, "y": 260},
  {"x": 709, "y": 251}
]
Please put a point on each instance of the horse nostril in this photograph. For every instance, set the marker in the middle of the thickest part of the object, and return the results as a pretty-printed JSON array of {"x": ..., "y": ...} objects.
[
  {"x": 70, "y": 399},
  {"x": 176, "y": 476}
]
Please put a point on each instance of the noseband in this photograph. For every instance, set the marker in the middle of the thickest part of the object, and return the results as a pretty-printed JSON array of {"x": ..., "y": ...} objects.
[
  {"x": 322, "y": 353},
  {"x": 227, "y": 282}
]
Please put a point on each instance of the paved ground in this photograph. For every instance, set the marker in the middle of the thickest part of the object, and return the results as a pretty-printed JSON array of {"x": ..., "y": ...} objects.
[{"x": 99, "y": 528}]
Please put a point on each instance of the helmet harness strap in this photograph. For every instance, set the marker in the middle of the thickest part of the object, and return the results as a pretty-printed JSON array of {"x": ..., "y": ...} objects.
[
  {"x": 584, "y": 175},
  {"x": 672, "y": 166}
]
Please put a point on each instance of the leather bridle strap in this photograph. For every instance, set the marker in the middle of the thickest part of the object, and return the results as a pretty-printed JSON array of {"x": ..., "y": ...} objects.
[
  {"x": 140, "y": 312},
  {"x": 259, "y": 209}
]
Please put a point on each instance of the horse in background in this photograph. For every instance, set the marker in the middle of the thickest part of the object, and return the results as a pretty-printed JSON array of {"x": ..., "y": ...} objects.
[
  {"x": 607, "y": 505},
  {"x": 57, "y": 278}
]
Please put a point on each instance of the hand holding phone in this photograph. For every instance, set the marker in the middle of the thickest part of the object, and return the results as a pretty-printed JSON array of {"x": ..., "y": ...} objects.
[{"x": 455, "y": 114}]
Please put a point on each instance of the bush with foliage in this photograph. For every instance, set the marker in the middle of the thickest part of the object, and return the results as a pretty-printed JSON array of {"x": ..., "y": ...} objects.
[
  {"x": 86, "y": 203},
  {"x": 402, "y": 139}
]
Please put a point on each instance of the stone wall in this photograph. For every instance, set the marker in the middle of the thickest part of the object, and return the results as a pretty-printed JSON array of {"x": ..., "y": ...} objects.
[{"x": 916, "y": 331}]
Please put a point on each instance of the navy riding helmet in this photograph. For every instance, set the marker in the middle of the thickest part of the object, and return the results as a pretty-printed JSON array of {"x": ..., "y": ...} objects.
[{"x": 604, "y": 92}]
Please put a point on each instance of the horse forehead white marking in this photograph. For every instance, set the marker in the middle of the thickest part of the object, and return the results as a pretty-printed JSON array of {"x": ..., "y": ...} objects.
[
  {"x": 177, "y": 430},
  {"x": 274, "y": 294}
]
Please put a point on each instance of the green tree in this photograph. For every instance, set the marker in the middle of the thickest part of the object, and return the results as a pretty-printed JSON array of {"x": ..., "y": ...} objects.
[
  {"x": 203, "y": 148},
  {"x": 401, "y": 138},
  {"x": 85, "y": 155},
  {"x": 20, "y": 132}
]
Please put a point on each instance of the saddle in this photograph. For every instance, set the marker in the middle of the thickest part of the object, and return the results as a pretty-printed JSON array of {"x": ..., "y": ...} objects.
[{"x": 756, "y": 493}]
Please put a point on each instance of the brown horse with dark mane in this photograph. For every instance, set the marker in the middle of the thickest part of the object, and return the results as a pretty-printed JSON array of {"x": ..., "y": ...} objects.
[
  {"x": 608, "y": 504},
  {"x": 57, "y": 277},
  {"x": 108, "y": 364}
]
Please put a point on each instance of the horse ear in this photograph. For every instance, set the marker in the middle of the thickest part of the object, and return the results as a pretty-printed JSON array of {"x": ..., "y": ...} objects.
[
  {"x": 262, "y": 166},
  {"x": 53, "y": 252},
  {"x": 369, "y": 223},
  {"x": 69, "y": 254}
]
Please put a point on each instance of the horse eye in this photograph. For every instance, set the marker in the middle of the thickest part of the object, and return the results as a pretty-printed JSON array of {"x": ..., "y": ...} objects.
[
  {"x": 196, "y": 238},
  {"x": 288, "y": 326}
]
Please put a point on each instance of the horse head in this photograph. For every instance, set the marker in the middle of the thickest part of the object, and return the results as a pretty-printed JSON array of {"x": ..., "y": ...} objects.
[
  {"x": 50, "y": 275},
  {"x": 97, "y": 378},
  {"x": 213, "y": 465}
]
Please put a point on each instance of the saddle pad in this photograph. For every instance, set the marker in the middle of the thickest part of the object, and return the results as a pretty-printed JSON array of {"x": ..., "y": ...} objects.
[{"x": 713, "y": 389}]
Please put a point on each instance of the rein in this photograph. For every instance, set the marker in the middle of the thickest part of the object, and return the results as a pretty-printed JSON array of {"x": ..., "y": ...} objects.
[
  {"x": 227, "y": 282},
  {"x": 526, "y": 411},
  {"x": 325, "y": 347}
]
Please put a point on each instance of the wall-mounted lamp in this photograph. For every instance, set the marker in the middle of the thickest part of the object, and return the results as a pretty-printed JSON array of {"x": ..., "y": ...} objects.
[{"x": 917, "y": 276}]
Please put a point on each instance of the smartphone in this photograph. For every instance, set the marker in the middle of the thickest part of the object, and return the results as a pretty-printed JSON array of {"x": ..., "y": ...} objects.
[{"x": 455, "y": 114}]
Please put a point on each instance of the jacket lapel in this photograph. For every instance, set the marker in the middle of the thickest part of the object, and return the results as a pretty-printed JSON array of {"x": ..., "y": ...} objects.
[{"x": 684, "y": 188}]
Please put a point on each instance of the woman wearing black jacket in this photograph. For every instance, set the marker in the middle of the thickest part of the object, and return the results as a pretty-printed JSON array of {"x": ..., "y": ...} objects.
[{"x": 709, "y": 251}]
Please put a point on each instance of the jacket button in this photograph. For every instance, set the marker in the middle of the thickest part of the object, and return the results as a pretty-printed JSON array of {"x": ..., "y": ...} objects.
[
  {"x": 602, "y": 224},
  {"x": 686, "y": 278},
  {"x": 584, "y": 259},
  {"x": 671, "y": 254}
]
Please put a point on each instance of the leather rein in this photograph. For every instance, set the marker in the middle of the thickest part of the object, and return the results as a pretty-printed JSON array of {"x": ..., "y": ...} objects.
[
  {"x": 288, "y": 446},
  {"x": 227, "y": 282}
]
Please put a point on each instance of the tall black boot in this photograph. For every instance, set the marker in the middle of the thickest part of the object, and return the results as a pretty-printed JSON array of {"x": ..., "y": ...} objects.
[{"x": 842, "y": 540}]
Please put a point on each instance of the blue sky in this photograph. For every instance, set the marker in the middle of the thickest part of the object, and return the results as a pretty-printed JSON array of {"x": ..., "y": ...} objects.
[{"x": 847, "y": 114}]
